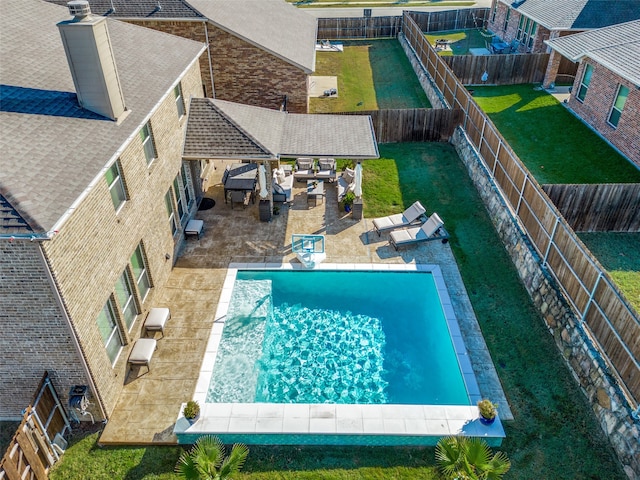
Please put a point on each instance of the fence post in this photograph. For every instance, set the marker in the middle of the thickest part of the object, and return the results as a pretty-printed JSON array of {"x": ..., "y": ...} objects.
[
  {"x": 524, "y": 184},
  {"x": 495, "y": 158},
  {"x": 553, "y": 234},
  {"x": 591, "y": 295}
]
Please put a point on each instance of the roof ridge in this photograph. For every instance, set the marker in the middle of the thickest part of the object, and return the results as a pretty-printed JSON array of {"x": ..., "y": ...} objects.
[{"x": 238, "y": 127}]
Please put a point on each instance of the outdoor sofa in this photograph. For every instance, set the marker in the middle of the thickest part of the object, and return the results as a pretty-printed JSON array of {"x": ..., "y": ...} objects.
[{"x": 282, "y": 186}]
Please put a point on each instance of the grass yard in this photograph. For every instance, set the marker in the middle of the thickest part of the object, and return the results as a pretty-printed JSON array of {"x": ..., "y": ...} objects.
[
  {"x": 555, "y": 145},
  {"x": 619, "y": 254},
  {"x": 553, "y": 436},
  {"x": 460, "y": 41},
  {"x": 372, "y": 75}
]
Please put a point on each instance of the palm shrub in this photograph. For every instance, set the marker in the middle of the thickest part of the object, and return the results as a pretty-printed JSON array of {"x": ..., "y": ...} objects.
[
  {"x": 464, "y": 458},
  {"x": 206, "y": 460}
]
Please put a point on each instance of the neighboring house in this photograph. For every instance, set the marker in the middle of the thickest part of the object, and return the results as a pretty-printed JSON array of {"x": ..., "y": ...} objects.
[
  {"x": 93, "y": 200},
  {"x": 261, "y": 52},
  {"x": 606, "y": 92},
  {"x": 528, "y": 23}
]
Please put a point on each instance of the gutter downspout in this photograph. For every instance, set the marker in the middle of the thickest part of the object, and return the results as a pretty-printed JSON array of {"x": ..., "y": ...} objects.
[
  {"x": 72, "y": 330},
  {"x": 206, "y": 36}
]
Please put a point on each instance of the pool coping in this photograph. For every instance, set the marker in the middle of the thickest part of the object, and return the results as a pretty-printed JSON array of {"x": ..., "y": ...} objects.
[{"x": 228, "y": 419}]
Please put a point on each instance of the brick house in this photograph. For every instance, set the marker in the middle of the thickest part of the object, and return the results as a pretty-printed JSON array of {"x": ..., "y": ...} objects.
[
  {"x": 528, "y": 23},
  {"x": 260, "y": 52},
  {"x": 606, "y": 91},
  {"x": 93, "y": 200}
]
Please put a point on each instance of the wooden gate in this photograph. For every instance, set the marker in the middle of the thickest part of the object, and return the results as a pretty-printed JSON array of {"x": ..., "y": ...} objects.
[{"x": 39, "y": 440}]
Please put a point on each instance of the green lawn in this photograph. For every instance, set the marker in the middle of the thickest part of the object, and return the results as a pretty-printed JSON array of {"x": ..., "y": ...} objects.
[
  {"x": 619, "y": 254},
  {"x": 555, "y": 145},
  {"x": 372, "y": 75},
  {"x": 460, "y": 41},
  {"x": 553, "y": 436}
]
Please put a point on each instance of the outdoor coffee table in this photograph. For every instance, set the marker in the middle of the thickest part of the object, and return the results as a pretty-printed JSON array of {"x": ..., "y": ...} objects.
[{"x": 315, "y": 191}]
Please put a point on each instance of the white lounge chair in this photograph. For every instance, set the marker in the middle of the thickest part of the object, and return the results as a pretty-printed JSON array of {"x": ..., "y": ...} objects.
[
  {"x": 432, "y": 229},
  {"x": 326, "y": 169},
  {"x": 412, "y": 215},
  {"x": 304, "y": 169}
]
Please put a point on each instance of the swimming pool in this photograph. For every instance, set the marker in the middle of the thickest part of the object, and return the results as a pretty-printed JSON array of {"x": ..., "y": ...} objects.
[
  {"x": 252, "y": 415},
  {"x": 347, "y": 337}
]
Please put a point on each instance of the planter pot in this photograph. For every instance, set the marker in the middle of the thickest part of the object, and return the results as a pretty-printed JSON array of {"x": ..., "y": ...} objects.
[
  {"x": 487, "y": 421},
  {"x": 193, "y": 420},
  {"x": 347, "y": 208}
]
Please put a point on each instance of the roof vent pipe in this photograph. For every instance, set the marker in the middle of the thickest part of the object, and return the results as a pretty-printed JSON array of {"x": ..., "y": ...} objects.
[{"x": 79, "y": 9}]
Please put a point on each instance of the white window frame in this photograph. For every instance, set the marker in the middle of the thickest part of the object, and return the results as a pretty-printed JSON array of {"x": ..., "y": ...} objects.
[
  {"x": 109, "y": 313},
  {"x": 615, "y": 108},
  {"x": 117, "y": 187},
  {"x": 128, "y": 307},
  {"x": 182, "y": 210},
  {"x": 141, "y": 275},
  {"x": 583, "y": 88},
  {"x": 185, "y": 171},
  {"x": 146, "y": 135},
  {"x": 168, "y": 200},
  {"x": 177, "y": 93}
]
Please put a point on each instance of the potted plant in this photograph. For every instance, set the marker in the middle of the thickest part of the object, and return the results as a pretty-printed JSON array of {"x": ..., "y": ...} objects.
[
  {"x": 276, "y": 210},
  {"x": 191, "y": 411},
  {"x": 488, "y": 411},
  {"x": 347, "y": 201}
]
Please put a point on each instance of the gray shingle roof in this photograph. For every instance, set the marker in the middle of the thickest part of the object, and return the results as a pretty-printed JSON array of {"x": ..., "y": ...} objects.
[
  {"x": 51, "y": 149},
  {"x": 616, "y": 47},
  {"x": 273, "y": 25},
  {"x": 279, "y": 134},
  {"x": 578, "y": 14},
  {"x": 140, "y": 8}
]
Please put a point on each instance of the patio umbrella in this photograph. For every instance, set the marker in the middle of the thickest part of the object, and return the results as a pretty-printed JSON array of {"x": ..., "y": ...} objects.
[
  {"x": 357, "y": 187},
  {"x": 262, "y": 178}
]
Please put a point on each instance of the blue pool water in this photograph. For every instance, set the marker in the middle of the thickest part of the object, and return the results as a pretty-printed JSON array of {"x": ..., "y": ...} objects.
[{"x": 336, "y": 337}]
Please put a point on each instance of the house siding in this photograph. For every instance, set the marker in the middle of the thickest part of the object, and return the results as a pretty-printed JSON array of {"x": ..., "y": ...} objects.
[
  {"x": 92, "y": 249},
  {"x": 597, "y": 105},
  {"x": 35, "y": 334},
  {"x": 242, "y": 72},
  {"x": 509, "y": 34}
]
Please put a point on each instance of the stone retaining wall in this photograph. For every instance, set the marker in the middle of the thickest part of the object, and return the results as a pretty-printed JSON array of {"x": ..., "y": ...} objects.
[{"x": 585, "y": 363}]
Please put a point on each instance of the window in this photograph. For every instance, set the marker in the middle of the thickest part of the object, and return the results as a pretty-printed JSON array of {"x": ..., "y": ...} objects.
[
  {"x": 526, "y": 32},
  {"x": 109, "y": 332},
  {"x": 124, "y": 294},
  {"x": 147, "y": 143},
  {"x": 584, "y": 83},
  {"x": 506, "y": 19},
  {"x": 176, "y": 192},
  {"x": 177, "y": 93},
  {"x": 493, "y": 12},
  {"x": 185, "y": 184},
  {"x": 172, "y": 216},
  {"x": 520, "y": 31},
  {"x": 140, "y": 272},
  {"x": 618, "y": 105},
  {"x": 116, "y": 186}
]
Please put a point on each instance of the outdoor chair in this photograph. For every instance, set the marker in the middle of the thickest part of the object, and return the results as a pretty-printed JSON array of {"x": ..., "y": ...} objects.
[
  {"x": 239, "y": 196},
  {"x": 412, "y": 215},
  {"x": 156, "y": 319},
  {"x": 142, "y": 352},
  {"x": 326, "y": 169},
  {"x": 432, "y": 229},
  {"x": 346, "y": 183},
  {"x": 304, "y": 169}
]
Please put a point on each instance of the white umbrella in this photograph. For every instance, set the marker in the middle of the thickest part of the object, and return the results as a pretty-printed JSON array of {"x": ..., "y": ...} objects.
[
  {"x": 262, "y": 178},
  {"x": 357, "y": 187}
]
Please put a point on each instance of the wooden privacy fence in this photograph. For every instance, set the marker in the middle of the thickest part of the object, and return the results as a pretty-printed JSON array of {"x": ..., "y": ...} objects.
[
  {"x": 389, "y": 27},
  {"x": 413, "y": 125},
  {"x": 358, "y": 27},
  {"x": 501, "y": 69},
  {"x": 450, "y": 19},
  {"x": 598, "y": 208},
  {"x": 614, "y": 328},
  {"x": 33, "y": 448}
]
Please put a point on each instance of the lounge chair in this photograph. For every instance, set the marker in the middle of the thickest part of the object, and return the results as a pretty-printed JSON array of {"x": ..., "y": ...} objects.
[
  {"x": 326, "y": 169},
  {"x": 304, "y": 169},
  {"x": 432, "y": 229},
  {"x": 412, "y": 215}
]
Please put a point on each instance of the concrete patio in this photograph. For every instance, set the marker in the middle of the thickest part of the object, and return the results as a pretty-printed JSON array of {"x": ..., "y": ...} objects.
[{"x": 149, "y": 404}]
